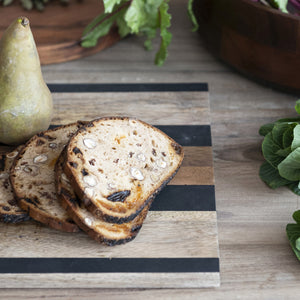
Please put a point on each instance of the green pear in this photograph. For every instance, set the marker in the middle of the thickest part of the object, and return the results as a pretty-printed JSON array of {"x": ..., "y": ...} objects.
[{"x": 25, "y": 100}]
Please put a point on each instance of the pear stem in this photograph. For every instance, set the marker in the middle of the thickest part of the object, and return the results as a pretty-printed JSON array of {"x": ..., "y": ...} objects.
[{"x": 24, "y": 21}]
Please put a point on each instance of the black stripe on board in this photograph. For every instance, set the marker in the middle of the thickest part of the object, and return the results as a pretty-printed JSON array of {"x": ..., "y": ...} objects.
[
  {"x": 185, "y": 198},
  {"x": 108, "y": 265},
  {"x": 188, "y": 135},
  {"x": 185, "y": 135},
  {"x": 127, "y": 87}
]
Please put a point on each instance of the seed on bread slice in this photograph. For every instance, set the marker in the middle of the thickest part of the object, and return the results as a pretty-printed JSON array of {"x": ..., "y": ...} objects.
[
  {"x": 10, "y": 212},
  {"x": 32, "y": 177},
  {"x": 107, "y": 233},
  {"x": 117, "y": 165}
]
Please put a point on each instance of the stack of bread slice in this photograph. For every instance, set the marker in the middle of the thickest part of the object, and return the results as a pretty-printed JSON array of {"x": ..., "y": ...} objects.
[{"x": 99, "y": 176}]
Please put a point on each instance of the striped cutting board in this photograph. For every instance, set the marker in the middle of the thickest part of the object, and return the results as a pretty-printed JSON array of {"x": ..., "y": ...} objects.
[{"x": 177, "y": 246}]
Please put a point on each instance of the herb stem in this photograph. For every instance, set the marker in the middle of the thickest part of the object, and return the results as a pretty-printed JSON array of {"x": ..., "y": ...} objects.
[{"x": 121, "y": 7}]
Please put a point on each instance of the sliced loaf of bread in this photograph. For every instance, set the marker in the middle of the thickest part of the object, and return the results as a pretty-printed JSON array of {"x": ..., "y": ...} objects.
[
  {"x": 117, "y": 165},
  {"x": 107, "y": 233},
  {"x": 32, "y": 177},
  {"x": 10, "y": 212}
]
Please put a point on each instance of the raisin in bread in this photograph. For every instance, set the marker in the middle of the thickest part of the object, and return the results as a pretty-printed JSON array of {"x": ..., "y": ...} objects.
[
  {"x": 32, "y": 177},
  {"x": 117, "y": 165},
  {"x": 107, "y": 233},
  {"x": 10, "y": 212}
]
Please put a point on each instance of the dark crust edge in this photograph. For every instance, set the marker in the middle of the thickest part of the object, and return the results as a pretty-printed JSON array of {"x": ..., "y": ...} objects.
[
  {"x": 32, "y": 210},
  {"x": 88, "y": 202},
  {"x": 38, "y": 215},
  {"x": 14, "y": 218},
  {"x": 66, "y": 202},
  {"x": 11, "y": 217},
  {"x": 2, "y": 162}
]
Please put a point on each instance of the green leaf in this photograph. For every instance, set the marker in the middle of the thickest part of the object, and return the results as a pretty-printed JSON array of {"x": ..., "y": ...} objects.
[
  {"x": 192, "y": 15},
  {"x": 166, "y": 36},
  {"x": 297, "y": 244},
  {"x": 296, "y": 139},
  {"x": 278, "y": 131},
  {"x": 293, "y": 234},
  {"x": 289, "y": 120},
  {"x": 284, "y": 152},
  {"x": 271, "y": 177},
  {"x": 266, "y": 128},
  {"x": 142, "y": 17},
  {"x": 151, "y": 33},
  {"x": 296, "y": 216},
  {"x": 93, "y": 24},
  {"x": 294, "y": 187},
  {"x": 297, "y": 106},
  {"x": 106, "y": 22},
  {"x": 110, "y": 4},
  {"x": 136, "y": 16},
  {"x": 270, "y": 149},
  {"x": 288, "y": 136},
  {"x": 280, "y": 4},
  {"x": 92, "y": 38},
  {"x": 124, "y": 30},
  {"x": 153, "y": 21},
  {"x": 289, "y": 168}
]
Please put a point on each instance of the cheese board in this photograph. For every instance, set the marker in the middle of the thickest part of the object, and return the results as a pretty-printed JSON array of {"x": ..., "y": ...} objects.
[{"x": 177, "y": 246}]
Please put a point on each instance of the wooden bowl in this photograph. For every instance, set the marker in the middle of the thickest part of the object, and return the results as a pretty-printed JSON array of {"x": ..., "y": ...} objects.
[
  {"x": 258, "y": 41},
  {"x": 58, "y": 29}
]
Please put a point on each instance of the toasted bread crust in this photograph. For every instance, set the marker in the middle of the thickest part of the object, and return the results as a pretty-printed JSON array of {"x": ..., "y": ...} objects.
[
  {"x": 10, "y": 212},
  {"x": 76, "y": 166},
  {"x": 70, "y": 202},
  {"x": 39, "y": 199}
]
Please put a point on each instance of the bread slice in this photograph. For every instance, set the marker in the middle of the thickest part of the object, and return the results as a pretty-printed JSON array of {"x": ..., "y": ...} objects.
[
  {"x": 117, "y": 165},
  {"x": 32, "y": 177},
  {"x": 10, "y": 212},
  {"x": 107, "y": 233}
]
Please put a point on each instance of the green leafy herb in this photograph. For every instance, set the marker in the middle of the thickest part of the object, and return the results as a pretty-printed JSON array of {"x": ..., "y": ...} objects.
[
  {"x": 166, "y": 36},
  {"x": 297, "y": 106},
  {"x": 289, "y": 168},
  {"x": 192, "y": 15},
  {"x": 142, "y": 17},
  {"x": 271, "y": 177},
  {"x": 296, "y": 138},
  {"x": 293, "y": 233},
  {"x": 265, "y": 129},
  {"x": 281, "y": 150},
  {"x": 270, "y": 149}
]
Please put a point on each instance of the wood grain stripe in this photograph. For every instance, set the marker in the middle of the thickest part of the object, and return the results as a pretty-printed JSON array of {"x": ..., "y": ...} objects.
[
  {"x": 194, "y": 175},
  {"x": 128, "y": 87},
  {"x": 185, "y": 198},
  {"x": 185, "y": 135},
  {"x": 162, "y": 108},
  {"x": 109, "y": 280},
  {"x": 171, "y": 234},
  {"x": 108, "y": 265}
]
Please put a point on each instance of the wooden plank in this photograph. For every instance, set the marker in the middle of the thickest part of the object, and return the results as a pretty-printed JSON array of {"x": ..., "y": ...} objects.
[
  {"x": 164, "y": 234},
  {"x": 110, "y": 280},
  {"x": 163, "y": 108}
]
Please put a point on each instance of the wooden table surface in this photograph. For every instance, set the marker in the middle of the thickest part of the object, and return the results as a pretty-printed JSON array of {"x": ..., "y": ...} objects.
[{"x": 256, "y": 260}]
